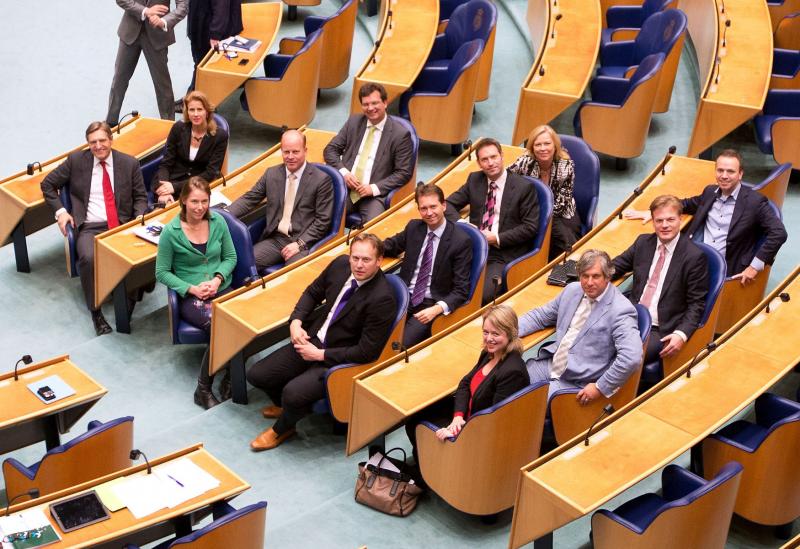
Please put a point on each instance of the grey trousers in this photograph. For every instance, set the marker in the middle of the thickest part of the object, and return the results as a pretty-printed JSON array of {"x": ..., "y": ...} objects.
[
  {"x": 268, "y": 251},
  {"x": 539, "y": 370}
]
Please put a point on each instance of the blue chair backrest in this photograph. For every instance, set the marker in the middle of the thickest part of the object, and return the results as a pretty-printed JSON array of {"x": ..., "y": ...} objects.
[
  {"x": 470, "y": 21},
  {"x": 400, "y": 292},
  {"x": 644, "y": 321},
  {"x": 480, "y": 252},
  {"x": 674, "y": 490},
  {"x": 773, "y": 175},
  {"x": 66, "y": 199},
  {"x": 309, "y": 41},
  {"x": 717, "y": 269},
  {"x": 510, "y": 398},
  {"x": 647, "y": 69},
  {"x": 339, "y": 196},
  {"x": 773, "y": 411},
  {"x": 245, "y": 259},
  {"x": 95, "y": 427},
  {"x": 222, "y": 123},
  {"x": 659, "y": 33},
  {"x": 414, "y": 139},
  {"x": 545, "y": 197},
  {"x": 446, "y": 8},
  {"x": 649, "y": 7},
  {"x": 586, "y": 187},
  {"x": 220, "y": 522},
  {"x": 466, "y": 55}
]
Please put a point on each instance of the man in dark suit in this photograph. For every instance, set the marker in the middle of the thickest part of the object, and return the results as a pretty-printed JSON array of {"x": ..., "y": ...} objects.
[
  {"x": 147, "y": 26},
  {"x": 503, "y": 205},
  {"x": 732, "y": 218},
  {"x": 299, "y": 205},
  {"x": 672, "y": 284},
  {"x": 435, "y": 266},
  {"x": 106, "y": 189},
  {"x": 354, "y": 323},
  {"x": 373, "y": 152},
  {"x": 210, "y": 21}
]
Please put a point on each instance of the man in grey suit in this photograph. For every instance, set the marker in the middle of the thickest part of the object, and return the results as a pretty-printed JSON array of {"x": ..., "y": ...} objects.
[
  {"x": 299, "y": 205},
  {"x": 597, "y": 345},
  {"x": 106, "y": 189},
  {"x": 373, "y": 152},
  {"x": 147, "y": 26}
]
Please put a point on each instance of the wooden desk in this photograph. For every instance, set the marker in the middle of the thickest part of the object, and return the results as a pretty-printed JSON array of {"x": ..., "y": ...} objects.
[
  {"x": 660, "y": 425},
  {"x": 23, "y": 210},
  {"x": 736, "y": 77},
  {"x": 123, "y": 261},
  {"x": 123, "y": 527},
  {"x": 218, "y": 76},
  {"x": 26, "y": 420},
  {"x": 564, "y": 63},
  {"x": 383, "y": 400},
  {"x": 404, "y": 43},
  {"x": 792, "y": 543}
]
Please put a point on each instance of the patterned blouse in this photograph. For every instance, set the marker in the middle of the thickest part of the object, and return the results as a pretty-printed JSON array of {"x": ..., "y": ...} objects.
[{"x": 562, "y": 178}]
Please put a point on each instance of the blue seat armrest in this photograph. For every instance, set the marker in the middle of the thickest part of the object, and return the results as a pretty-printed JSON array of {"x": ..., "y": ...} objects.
[
  {"x": 173, "y": 304},
  {"x": 621, "y": 520},
  {"x": 313, "y": 23},
  {"x": 785, "y": 62},
  {"x": 256, "y": 228},
  {"x": 783, "y": 103},
  {"x": 275, "y": 65},
  {"x": 94, "y": 424},
  {"x": 678, "y": 482},
  {"x": 29, "y": 472},
  {"x": 609, "y": 89},
  {"x": 618, "y": 54},
  {"x": 624, "y": 16},
  {"x": 439, "y": 48},
  {"x": 431, "y": 80},
  {"x": 772, "y": 409},
  {"x": 435, "y": 428}
]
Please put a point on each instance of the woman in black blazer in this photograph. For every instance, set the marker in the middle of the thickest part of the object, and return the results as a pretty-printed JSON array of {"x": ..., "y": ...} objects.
[{"x": 196, "y": 146}]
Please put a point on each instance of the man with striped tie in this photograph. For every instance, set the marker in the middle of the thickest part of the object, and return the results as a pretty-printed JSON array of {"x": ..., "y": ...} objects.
[
  {"x": 597, "y": 345},
  {"x": 503, "y": 205},
  {"x": 435, "y": 266}
]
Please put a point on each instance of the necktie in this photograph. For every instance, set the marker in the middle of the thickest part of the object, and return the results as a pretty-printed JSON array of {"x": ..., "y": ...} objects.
[
  {"x": 285, "y": 224},
  {"x": 342, "y": 302},
  {"x": 363, "y": 156},
  {"x": 424, "y": 274},
  {"x": 559, "y": 364},
  {"x": 488, "y": 216},
  {"x": 108, "y": 197},
  {"x": 652, "y": 282}
]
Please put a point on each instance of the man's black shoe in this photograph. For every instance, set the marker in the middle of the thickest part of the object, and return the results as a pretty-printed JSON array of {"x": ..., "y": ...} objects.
[{"x": 101, "y": 327}]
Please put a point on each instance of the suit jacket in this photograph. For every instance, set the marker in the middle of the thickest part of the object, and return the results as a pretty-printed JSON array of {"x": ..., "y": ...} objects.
[
  {"x": 129, "y": 193},
  {"x": 362, "y": 328},
  {"x": 176, "y": 166},
  {"x": 313, "y": 203},
  {"x": 752, "y": 218},
  {"x": 608, "y": 348},
  {"x": 450, "y": 276},
  {"x": 519, "y": 212},
  {"x": 394, "y": 160},
  {"x": 217, "y": 19},
  {"x": 132, "y": 23},
  {"x": 683, "y": 294},
  {"x": 505, "y": 379}
]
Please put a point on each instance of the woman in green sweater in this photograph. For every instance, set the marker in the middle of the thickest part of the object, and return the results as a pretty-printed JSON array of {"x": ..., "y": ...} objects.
[{"x": 196, "y": 258}]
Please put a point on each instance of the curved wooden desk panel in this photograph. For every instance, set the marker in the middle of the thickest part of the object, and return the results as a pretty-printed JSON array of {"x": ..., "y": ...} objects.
[
  {"x": 120, "y": 254},
  {"x": 401, "y": 51},
  {"x": 386, "y": 398},
  {"x": 566, "y": 59},
  {"x": 738, "y": 74},
  {"x": 218, "y": 76},
  {"x": 660, "y": 425}
]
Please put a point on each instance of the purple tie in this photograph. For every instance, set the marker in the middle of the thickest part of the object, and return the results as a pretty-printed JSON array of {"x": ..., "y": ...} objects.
[
  {"x": 488, "y": 216},
  {"x": 424, "y": 275},
  {"x": 345, "y": 298}
]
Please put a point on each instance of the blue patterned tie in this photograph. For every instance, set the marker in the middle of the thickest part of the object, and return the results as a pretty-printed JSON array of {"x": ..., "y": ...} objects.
[{"x": 424, "y": 275}]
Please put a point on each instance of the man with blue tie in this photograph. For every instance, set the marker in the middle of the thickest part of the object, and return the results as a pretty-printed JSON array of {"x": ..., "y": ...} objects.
[{"x": 597, "y": 345}]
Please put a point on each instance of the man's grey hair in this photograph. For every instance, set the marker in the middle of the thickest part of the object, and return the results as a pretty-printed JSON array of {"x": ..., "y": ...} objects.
[{"x": 590, "y": 257}]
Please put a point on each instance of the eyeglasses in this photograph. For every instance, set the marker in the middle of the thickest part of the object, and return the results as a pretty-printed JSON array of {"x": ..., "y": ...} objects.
[{"x": 28, "y": 534}]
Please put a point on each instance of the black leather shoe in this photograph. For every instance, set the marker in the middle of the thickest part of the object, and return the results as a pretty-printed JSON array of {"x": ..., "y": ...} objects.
[
  {"x": 204, "y": 397},
  {"x": 101, "y": 327}
]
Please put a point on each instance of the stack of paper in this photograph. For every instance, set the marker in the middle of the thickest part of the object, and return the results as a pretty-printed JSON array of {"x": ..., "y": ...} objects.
[{"x": 31, "y": 521}]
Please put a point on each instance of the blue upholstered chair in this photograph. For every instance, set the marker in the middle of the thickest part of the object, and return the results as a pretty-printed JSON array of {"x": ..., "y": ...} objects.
[
  {"x": 441, "y": 101},
  {"x": 656, "y": 371},
  {"x": 242, "y": 529},
  {"x": 395, "y": 195},
  {"x": 586, "y": 187},
  {"x": 103, "y": 449},
  {"x": 256, "y": 228},
  {"x": 623, "y": 22},
  {"x": 185, "y": 333},
  {"x": 690, "y": 512},
  {"x": 525, "y": 265},
  {"x": 446, "y": 8},
  {"x": 778, "y": 126},
  {"x": 473, "y": 20},
  {"x": 662, "y": 32},
  {"x": 477, "y": 471},
  {"x": 785, "y": 69},
  {"x": 768, "y": 450},
  {"x": 625, "y": 104}
]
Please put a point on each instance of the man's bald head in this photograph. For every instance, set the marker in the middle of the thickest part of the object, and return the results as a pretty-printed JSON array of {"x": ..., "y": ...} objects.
[{"x": 293, "y": 149}]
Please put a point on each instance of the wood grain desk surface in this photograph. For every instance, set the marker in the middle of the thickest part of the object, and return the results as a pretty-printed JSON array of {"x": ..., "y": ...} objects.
[
  {"x": 122, "y": 522},
  {"x": 386, "y": 398},
  {"x": 18, "y": 404},
  {"x": 557, "y": 490}
]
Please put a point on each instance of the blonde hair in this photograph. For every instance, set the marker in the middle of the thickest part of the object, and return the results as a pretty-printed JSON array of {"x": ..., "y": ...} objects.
[
  {"x": 211, "y": 124},
  {"x": 505, "y": 319},
  {"x": 560, "y": 153}
]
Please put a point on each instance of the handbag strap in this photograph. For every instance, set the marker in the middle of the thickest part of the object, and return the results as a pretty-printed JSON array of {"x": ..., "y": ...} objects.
[{"x": 386, "y": 455}]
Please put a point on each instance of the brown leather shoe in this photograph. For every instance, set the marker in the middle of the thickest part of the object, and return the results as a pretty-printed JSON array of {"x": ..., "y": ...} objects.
[
  {"x": 269, "y": 439},
  {"x": 271, "y": 412}
]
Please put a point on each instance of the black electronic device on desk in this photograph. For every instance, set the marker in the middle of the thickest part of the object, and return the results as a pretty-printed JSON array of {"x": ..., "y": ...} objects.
[
  {"x": 79, "y": 511},
  {"x": 563, "y": 273}
]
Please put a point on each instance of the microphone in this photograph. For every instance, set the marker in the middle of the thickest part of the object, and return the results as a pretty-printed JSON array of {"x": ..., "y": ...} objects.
[
  {"x": 33, "y": 493},
  {"x": 154, "y": 207},
  {"x": 567, "y": 252},
  {"x": 32, "y": 166},
  {"x": 670, "y": 152},
  {"x": 497, "y": 281},
  {"x": 397, "y": 346},
  {"x": 377, "y": 45},
  {"x": 224, "y": 181},
  {"x": 719, "y": 62},
  {"x": 467, "y": 146},
  {"x": 136, "y": 454},
  {"x": 710, "y": 347},
  {"x": 784, "y": 296},
  {"x": 722, "y": 9},
  {"x": 27, "y": 360},
  {"x": 555, "y": 3},
  {"x": 725, "y": 32},
  {"x": 558, "y": 18},
  {"x": 607, "y": 410},
  {"x": 541, "y": 70},
  {"x": 389, "y": 17},
  {"x": 132, "y": 114}
]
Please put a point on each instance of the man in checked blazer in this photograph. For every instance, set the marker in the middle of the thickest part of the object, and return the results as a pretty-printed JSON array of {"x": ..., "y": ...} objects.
[{"x": 291, "y": 229}]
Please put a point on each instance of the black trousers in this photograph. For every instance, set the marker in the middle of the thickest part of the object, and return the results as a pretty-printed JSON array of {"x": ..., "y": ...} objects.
[
  {"x": 654, "y": 346},
  {"x": 439, "y": 413},
  {"x": 197, "y": 312},
  {"x": 84, "y": 248},
  {"x": 564, "y": 234},
  {"x": 415, "y": 331},
  {"x": 292, "y": 383},
  {"x": 494, "y": 267}
]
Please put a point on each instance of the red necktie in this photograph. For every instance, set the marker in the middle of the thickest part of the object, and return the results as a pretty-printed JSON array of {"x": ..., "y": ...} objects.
[
  {"x": 652, "y": 283},
  {"x": 488, "y": 216},
  {"x": 108, "y": 196}
]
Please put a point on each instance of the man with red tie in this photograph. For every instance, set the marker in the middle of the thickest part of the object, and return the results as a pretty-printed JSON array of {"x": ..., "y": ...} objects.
[{"x": 106, "y": 189}]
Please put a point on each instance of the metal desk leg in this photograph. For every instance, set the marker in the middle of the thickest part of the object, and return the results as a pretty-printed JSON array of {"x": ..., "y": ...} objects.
[
  {"x": 20, "y": 248},
  {"x": 696, "y": 459},
  {"x": 183, "y": 525},
  {"x": 51, "y": 436},
  {"x": 121, "y": 316},
  {"x": 372, "y": 8},
  {"x": 544, "y": 542},
  {"x": 238, "y": 379}
]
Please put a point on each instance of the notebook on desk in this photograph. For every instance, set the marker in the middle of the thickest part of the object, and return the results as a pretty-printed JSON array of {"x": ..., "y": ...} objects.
[{"x": 563, "y": 273}]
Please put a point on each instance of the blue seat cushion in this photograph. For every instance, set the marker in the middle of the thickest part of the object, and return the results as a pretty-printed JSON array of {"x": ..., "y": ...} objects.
[
  {"x": 189, "y": 333},
  {"x": 618, "y": 72},
  {"x": 642, "y": 510},
  {"x": 763, "y": 124},
  {"x": 749, "y": 435}
]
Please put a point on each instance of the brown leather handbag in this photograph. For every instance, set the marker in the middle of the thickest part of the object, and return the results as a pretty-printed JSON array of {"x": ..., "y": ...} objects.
[{"x": 386, "y": 490}]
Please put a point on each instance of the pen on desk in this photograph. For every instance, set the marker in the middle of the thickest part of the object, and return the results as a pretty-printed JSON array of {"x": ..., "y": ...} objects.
[{"x": 179, "y": 483}]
